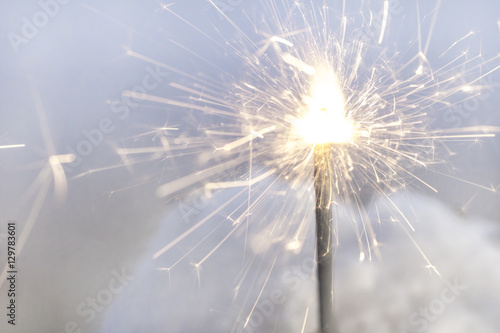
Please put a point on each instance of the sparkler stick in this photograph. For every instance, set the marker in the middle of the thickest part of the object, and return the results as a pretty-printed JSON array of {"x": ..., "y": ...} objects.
[
  {"x": 324, "y": 246},
  {"x": 325, "y": 125}
]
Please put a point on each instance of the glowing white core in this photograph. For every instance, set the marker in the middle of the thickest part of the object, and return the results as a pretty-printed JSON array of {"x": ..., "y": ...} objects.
[{"x": 325, "y": 120}]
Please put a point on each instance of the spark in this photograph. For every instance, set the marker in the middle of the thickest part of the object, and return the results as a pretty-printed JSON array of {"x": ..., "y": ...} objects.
[
  {"x": 212, "y": 186},
  {"x": 248, "y": 138},
  {"x": 193, "y": 228},
  {"x": 305, "y": 320},
  {"x": 147, "y": 97},
  {"x": 12, "y": 146},
  {"x": 181, "y": 183},
  {"x": 260, "y": 293},
  {"x": 384, "y": 21},
  {"x": 456, "y": 43}
]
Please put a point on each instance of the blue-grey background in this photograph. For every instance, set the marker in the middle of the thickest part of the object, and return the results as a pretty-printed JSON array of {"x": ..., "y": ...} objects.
[{"x": 63, "y": 81}]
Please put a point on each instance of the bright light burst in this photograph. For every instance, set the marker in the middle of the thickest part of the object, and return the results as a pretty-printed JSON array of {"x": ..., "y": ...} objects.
[{"x": 325, "y": 120}]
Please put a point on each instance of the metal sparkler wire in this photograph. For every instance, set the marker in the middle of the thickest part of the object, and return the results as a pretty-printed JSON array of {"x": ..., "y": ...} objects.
[{"x": 325, "y": 247}]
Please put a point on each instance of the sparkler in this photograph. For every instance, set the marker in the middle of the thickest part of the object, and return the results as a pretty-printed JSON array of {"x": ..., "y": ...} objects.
[
  {"x": 315, "y": 89},
  {"x": 313, "y": 98}
]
